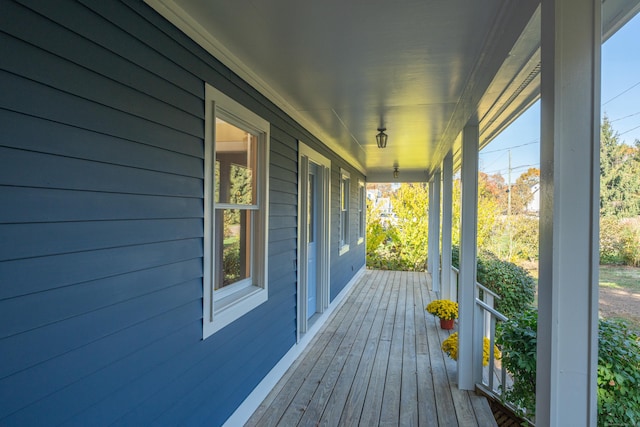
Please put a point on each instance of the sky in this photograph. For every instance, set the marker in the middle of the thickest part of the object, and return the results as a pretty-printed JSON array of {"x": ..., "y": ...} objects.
[{"x": 620, "y": 102}]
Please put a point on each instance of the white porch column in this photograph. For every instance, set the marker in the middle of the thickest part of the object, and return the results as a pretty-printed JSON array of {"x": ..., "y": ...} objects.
[
  {"x": 570, "y": 172},
  {"x": 447, "y": 198},
  {"x": 430, "y": 232},
  {"x": 467, "y": 378},
  {"x": 434, "y": 232}
]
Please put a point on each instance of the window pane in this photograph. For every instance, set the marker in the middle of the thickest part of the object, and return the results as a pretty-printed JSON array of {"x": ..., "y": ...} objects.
[
  {"x": 236, "y": 165},
  {"x": 233, "y": 241}
]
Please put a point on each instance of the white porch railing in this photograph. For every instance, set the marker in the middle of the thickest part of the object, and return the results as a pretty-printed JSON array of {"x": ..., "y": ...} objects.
[{"x": 486, "y": 318}]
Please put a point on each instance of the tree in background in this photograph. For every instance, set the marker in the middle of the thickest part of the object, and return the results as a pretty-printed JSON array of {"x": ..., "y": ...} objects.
[
  {"x": 619, "y": 198},
  {"x": 488, "y": 210},
  {"x": 522, "y": 190},
  {"x": 619, "y": 175},
  {"x": 495, "y": 187},
  {"x": 411, "y": 206}
]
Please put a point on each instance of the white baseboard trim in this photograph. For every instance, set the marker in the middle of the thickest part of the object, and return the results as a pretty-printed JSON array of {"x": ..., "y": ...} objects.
[{"x": 251, "y": 403}]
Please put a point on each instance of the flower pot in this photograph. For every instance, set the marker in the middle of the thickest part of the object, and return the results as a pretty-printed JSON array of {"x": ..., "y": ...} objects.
[{"x": 447, "y": 323}]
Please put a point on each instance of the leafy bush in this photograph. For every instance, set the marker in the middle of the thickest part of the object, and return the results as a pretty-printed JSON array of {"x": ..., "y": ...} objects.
[
  {"x": 611, "y": 241},
  {"x": 513, "y": 283},
  {"x": 376, "y": 234},
  {"x": 618, "y": 368},
  {"x": 411, "y": 204},
  {"x": 618, "y": 375},
  {"x": 402, "y": 243},
  {"x": 620, "y": 241},
  {"x": 517, "y": 338},
  {"x": 231, "y": 262},
  {"x": 631, "y": 243},
  {"x": 525, "y": 238}
]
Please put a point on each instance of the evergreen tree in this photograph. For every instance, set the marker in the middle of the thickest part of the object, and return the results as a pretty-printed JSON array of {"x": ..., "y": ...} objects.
[{"x": 619, "y": 175}]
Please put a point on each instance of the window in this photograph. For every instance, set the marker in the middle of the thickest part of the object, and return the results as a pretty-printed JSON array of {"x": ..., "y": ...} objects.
[
  {"x": 362, "y": 209},
  {"x": 235, "y": 211},
  {"x": 345, "y": 181}
]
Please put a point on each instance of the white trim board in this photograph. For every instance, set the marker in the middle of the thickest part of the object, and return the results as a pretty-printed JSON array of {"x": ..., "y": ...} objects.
[{"x": 251, "y": 403}]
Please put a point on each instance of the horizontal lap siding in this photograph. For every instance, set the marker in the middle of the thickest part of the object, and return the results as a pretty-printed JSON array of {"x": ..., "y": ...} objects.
[{"x": 101, "y": 186}]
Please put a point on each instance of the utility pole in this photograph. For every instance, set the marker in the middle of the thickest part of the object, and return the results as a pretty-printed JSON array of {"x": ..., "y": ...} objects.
[
  {"x": 509, "y": 207},
  {"x": 509, "y": 189}
]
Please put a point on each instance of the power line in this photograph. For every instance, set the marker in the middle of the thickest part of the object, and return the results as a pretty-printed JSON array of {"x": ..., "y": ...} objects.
[
  {"x": 622, "y": 93},
  {"x": 513, "y": 168},
  {"x": 509, "y": 148},
  {"x": 625, "y": 117},
  {"x": 627, "y": 131},
  {"x": 495, "y": 161}
]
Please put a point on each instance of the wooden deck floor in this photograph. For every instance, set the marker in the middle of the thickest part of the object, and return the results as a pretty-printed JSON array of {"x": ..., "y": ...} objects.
[{"x": 376, "y": 362}]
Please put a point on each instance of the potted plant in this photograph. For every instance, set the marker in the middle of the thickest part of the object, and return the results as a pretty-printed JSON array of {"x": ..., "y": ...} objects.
[
  {"x": 446, "y": 310},
  {"x": 450, "y": 347}
]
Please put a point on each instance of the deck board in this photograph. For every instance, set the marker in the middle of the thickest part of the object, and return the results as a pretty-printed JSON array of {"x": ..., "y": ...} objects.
[{"x": 376, "y": 362}]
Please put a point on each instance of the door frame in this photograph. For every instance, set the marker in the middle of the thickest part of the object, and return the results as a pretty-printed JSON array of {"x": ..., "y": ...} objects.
[{"x": 305, "y": 155}]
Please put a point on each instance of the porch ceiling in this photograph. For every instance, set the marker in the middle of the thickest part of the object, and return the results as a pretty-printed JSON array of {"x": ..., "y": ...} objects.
[{"x": 422, "y": 69}]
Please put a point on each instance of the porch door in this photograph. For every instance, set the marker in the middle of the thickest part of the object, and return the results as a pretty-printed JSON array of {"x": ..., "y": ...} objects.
[
  {"x": 312, "y": 237},
  {"x": 314, "y": 171}
]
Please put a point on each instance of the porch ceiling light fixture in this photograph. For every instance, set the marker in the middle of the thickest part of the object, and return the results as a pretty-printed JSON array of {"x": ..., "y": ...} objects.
[
  {"x": 396, "y": 172},
  {"x": 381, "y": 138}
]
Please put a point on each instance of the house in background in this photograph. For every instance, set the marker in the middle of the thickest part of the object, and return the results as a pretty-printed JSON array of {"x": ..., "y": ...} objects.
[
  {"x": 533, "y": 207},
  {"x": 182, "y": 186}
]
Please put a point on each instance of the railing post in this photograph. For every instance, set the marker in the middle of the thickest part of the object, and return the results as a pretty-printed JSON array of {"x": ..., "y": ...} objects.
[
  {"x": 447, "y": 197},
  {"x": 433, "y": 244},
  {"x": 483, "y": 310},
  {"x": 453, "y": 284},
  {"x": 489, "y": 299},
  {"x": 478, "y": 338}
]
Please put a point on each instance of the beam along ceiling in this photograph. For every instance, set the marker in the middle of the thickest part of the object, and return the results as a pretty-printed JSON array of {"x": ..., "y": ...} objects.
[{"x": 420, "y": 68}]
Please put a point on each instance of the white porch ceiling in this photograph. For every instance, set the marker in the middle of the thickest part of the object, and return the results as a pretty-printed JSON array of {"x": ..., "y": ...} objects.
[{"x": 421, "y": 68}]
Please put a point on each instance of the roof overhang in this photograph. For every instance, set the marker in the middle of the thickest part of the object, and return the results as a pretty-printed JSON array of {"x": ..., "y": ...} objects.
[{"x": 422, "y": 69}]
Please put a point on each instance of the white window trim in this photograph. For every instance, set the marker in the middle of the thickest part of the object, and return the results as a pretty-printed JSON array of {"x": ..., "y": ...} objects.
[
  {"x": 222, "y": 308},
  {"x": 362, "y": 209},
  {"x": 344, "y": 245}
]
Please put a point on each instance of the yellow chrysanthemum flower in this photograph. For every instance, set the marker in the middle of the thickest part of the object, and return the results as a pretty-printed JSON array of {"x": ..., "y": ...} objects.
[
  {"x": 443, "y": 308},
  {"x": 450, "y": 347}
]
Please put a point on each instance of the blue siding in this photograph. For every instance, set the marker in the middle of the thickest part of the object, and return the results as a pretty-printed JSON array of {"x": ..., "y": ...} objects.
[{"x": 101, "y": 223}]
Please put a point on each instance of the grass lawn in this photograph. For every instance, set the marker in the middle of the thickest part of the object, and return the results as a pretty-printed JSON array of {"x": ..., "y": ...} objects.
[
  {"x": 620, "y": 277},
  {"x": 620, "y": 293}
]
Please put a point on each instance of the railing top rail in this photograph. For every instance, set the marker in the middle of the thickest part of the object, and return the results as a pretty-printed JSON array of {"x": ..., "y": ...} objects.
[
  {"x": 487, "y": 290},
  {"x": 491, "y": 310},
  {"x": 478, "y": 284}
]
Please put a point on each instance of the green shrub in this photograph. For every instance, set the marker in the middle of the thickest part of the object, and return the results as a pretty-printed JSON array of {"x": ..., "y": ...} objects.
[
  {"x": 455, "y": 256},
  {"x": 618, "y": 375},
  {"x": 411, "y": 226},
  {"x": 513, "y": 283},
  {"x": 400, "y": 244},
  {"x": 231, "y": 262},
  {"x": 525, "y": 238},
  {"x": 620, "y": 241},
  {"x": 618, "y": 368},
  {"x": 611, "y": 241},
  {"x": 631, "y": 243},
  {"x": 517, "y": 339},
  {"x": 376, "y": 234}
]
